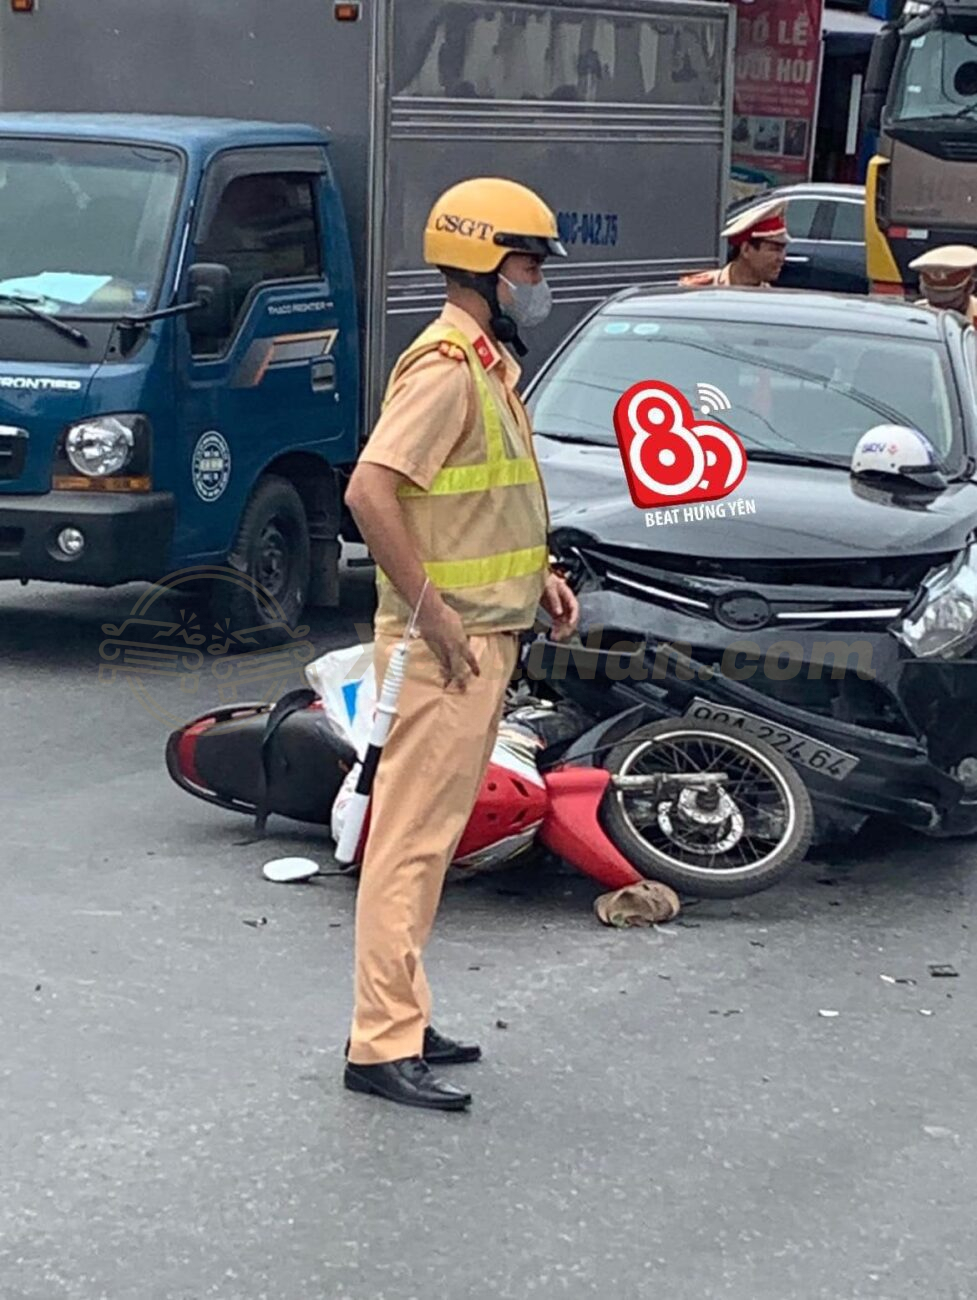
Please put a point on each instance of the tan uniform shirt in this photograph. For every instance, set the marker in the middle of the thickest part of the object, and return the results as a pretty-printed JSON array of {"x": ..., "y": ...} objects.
[
  {"x": 971, "y": 312},
  {"x": 433, "y": 412},
  {"x": 701, "y": 279}
]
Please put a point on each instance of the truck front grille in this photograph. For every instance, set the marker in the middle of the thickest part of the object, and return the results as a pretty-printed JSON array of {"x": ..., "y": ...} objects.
[
  {"x": 13, "y": 452},
  {"x": 11, "y": 540},
  {"x": 960, "y": 150}
]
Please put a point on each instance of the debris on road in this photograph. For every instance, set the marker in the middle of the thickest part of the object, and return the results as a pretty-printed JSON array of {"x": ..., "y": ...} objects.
[
  {"x": 646, "y": 903},
  {"x": 502, "y": 1024},
  {"x": 286, "y": 871}
]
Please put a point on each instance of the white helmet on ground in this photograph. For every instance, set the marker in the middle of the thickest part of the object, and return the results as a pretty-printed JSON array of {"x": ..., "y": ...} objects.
[{"x": 893, "y": 449}]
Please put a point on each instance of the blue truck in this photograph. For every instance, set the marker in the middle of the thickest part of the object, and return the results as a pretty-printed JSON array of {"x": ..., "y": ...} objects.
[{"x": 198, "y": 312}]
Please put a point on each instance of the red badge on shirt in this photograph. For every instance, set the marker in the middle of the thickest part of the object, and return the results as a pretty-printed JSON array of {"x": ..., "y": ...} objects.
[{"x": 483, "y": 351}]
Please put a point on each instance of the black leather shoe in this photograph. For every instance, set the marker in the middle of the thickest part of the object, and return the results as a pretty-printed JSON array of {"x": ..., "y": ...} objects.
[
  {"x": 408, "y": 1081},
  {"x": 439, "y": 1050}
]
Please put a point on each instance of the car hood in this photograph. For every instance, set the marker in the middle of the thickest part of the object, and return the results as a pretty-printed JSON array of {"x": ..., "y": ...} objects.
[{"x": 788, "y": 511}]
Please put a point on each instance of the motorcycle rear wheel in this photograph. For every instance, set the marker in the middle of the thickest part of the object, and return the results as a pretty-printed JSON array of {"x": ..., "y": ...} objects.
[{"x": 769, "y": 796}]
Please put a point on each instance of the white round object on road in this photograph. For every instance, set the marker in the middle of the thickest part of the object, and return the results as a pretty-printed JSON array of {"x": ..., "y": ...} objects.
[{"x": 285, "y": 871}]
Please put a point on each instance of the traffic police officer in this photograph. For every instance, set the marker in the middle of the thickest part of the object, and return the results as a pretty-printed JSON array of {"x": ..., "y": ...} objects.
[
  {"x": 448, "y": 497},
  {"x": 947, "y": 276},
  {"x": 759, "y": 245}
]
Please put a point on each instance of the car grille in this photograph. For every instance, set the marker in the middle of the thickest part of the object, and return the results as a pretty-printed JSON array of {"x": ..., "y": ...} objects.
[
  {"x": 898, "y": 573},
  {"x": 813, "y": 593}
]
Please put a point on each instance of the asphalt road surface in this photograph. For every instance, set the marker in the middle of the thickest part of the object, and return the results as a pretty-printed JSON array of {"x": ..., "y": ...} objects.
[{"x": 664, "y": 1113}]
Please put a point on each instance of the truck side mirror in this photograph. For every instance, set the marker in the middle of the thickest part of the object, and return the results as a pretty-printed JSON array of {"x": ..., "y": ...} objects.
[
  {"x": 881, "y": 63},
  {"x": 210, "y": 286},
  {"x": 870, "y": 116}
]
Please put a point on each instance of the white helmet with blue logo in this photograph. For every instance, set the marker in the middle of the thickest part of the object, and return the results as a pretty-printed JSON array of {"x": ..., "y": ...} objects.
[{"x": 893, "y": 449}]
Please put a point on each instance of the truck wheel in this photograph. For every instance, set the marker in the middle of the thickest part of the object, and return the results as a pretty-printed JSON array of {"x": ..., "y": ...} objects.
[{"x": 272, "y": 553}]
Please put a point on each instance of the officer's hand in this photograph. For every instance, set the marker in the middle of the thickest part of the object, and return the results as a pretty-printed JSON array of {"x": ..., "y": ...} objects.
[
  {"x": 561, "y": 605},
  {"x": 442, "y": 628}
]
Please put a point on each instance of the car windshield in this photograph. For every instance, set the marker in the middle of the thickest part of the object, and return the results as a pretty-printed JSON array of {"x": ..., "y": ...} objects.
[
  {"x": 936, "y": 77},
  {"x": 85, "y": 225},
  {"x": 794, "y": 391}
]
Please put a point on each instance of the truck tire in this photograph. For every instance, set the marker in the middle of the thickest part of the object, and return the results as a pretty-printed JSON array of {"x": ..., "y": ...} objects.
[
  {"x": 688, "y": 746},
  {"x": 272, "y": 554}
]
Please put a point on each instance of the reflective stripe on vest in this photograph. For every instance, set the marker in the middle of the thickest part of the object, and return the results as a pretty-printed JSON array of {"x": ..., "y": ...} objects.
[
  {"x": 497, "y": 471},
  {"x": 490, "y": 568}
]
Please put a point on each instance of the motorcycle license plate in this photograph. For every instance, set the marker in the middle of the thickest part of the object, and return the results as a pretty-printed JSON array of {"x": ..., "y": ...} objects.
[{"x": 803, "y": 751}]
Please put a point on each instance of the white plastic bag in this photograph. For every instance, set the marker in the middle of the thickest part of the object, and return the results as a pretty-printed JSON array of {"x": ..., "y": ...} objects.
[
  {"x": 345, "y": 682},
  {"x": 341, "y": 803}
]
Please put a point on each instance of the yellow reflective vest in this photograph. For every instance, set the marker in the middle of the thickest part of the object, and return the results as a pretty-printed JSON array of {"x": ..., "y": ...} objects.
[{"x": 481, "y": 529}]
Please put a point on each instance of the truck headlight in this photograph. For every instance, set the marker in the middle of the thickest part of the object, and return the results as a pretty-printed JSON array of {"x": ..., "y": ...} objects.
[
  {"x": 103, "y": 444},
  {"x": 943, "y": 620}
]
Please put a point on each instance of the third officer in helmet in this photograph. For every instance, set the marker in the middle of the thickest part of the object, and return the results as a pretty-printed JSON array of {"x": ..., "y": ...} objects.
[{"x": 449, "y": 499}]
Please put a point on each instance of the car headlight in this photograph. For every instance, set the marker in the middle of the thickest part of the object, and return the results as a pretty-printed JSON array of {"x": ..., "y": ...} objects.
[
  {"x": 102, "y": 445},
  {"x": 943, "y": 621}
]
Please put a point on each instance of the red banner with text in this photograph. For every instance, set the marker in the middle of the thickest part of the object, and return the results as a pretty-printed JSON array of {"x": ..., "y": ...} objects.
[{"x": 778, "y": 68}]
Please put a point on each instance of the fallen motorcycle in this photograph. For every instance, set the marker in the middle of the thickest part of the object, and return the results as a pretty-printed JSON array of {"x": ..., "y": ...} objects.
[{"x": 693, "y": 804}]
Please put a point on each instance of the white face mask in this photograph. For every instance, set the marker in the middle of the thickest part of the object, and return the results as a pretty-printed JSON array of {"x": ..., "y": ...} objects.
[{"x": 531, "y": 303}]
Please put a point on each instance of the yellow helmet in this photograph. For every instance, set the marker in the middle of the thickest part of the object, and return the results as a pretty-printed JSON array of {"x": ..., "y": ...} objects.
[{"x": 474, "y": 226}]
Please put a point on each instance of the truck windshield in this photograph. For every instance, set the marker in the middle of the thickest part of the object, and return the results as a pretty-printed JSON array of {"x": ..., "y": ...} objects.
[
  {"x": 790, "y": 390},
  {"x": 935, "y": 77},
  {"x": 84, "y": 226}
]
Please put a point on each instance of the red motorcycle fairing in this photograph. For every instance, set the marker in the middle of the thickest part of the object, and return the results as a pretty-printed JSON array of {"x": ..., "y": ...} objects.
[
  {"x": 572, "y": 828},
  {"x": 509, "y": 810}
]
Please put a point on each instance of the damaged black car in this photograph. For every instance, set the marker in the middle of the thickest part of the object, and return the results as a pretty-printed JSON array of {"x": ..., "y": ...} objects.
[{"x": 827, "y": 605}]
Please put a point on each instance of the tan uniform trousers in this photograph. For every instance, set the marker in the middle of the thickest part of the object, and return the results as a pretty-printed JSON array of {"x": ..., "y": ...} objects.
[{"x": 426, "y": 784}]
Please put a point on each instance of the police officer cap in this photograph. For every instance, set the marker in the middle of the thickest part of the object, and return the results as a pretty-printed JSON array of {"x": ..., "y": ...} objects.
[
  {"x": 949, "y": 258},
  {"x": 763, "y": 222}
]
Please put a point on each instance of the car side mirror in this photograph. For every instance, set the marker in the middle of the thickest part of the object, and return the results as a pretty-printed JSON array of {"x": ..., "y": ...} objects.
[{"x": 210, "y": 287}]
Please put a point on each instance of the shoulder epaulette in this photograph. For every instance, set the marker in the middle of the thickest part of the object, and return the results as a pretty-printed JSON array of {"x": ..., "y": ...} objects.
[
  {"x": 699, "y": 278},
  {"x": 452, "y": 350}
]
